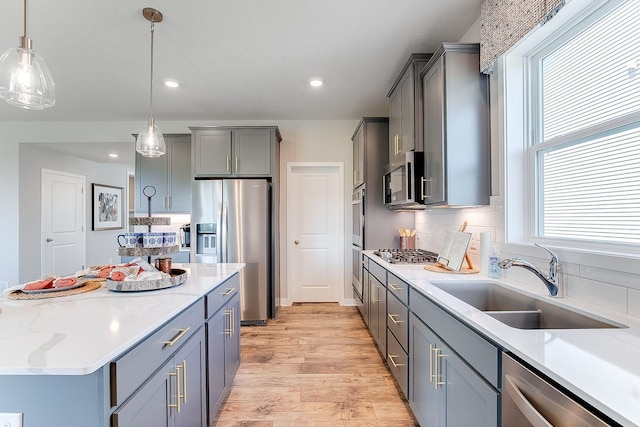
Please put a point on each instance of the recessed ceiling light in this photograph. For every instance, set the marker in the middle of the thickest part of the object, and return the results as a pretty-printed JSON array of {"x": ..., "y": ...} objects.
[
  {"x": 316, "y": 82},
  {"x": 171, "y": 83},
  {"x": 113, "y": 155}
]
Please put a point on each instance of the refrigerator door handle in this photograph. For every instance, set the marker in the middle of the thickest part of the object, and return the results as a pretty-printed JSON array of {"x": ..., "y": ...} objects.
[{"x": 222, "y": 233}]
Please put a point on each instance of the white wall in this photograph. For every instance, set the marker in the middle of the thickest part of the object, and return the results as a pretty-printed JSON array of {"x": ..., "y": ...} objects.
[{"x": 100, "y": 245}]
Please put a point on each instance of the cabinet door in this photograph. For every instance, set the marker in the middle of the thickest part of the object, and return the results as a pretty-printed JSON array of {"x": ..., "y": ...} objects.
[
  {"x": 149, "y": 405},
  {"x": 252, "y": 152},
  {"x": 434, "y": 152},
  {"x": 212, "y": 152},
  {"x": 407, "y": 139},
  {"x": 151, "y": 171},
  {"x": 469, "y": 400},
  {"x": 216, "y": 338},
  {"x": 358, "y": 157},
  {"x": 425, "y": 399},
  {"x": 189, "y": 364},
  {"x": 232, "y": 346},
  {"x": 365, "y": 295},
  {"x": 179, "y": 174},
  {"x": 395, "y": 126}
]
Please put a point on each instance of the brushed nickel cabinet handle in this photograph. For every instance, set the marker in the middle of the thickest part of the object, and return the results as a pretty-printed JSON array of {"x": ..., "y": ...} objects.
[
  {"x": 184, "y": 380},
  {"x": 228, "y": 330},
  {"x": 395, "y": 287},
  {"x": 177, "y": 394},
  {"x": 176, "y": 338},
  {"x": 393, "y": 318},
  {"x": 228, "y": 292},
  {"x": 431, "y": 376},
  {"x": 438, "y": 374},
  {"x": 228, "y": 164},
  {"x": 393, "y": 362},
  {"x": 236, "y": 163}
]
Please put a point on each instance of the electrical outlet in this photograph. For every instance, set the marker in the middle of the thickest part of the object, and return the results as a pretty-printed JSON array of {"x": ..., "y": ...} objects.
[{"x": 10, "y": 420}]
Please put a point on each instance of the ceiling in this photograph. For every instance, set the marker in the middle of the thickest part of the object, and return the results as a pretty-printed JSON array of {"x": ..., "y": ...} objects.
[{"x": 234, "y": 60}]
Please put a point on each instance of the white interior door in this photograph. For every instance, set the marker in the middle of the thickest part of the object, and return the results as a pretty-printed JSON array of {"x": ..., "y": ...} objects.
[
  {"x": 315, "y": 232},
  {"x": 63, "y": 217}
]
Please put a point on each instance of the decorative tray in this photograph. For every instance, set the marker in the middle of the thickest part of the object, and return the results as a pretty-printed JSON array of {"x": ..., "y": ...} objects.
[
  {"x": 165, "y": 250},
  {"x": 178, "y": 277}
]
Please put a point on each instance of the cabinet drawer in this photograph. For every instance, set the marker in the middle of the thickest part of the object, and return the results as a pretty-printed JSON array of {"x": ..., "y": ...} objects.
[
  {"x": 398, "y": 320},
  {"x": 398, "y": 363},
  {"x": 221, "y": 295},
  {"x": 399, "y": 288},
  {"x": 482, "y": 355},
  {"x": 379, "y": 272},
  {"x": 131, "y": 370}
]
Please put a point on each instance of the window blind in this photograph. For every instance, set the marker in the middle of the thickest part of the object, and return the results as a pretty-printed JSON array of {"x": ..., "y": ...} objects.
[
  {"x": 591, "y": 190},
  {"x": 595, "y": 77},
  {"x": 588, "y": 166}
]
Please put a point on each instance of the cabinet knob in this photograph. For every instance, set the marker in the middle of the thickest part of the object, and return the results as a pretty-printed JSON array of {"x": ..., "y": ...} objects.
[
  {"x": 49, "y": 240},
  {"x": 296, "y": 242}
]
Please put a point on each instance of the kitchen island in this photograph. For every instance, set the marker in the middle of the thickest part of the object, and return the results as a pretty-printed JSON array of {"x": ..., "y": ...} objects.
[
  {"x": 82, "y": 360},
  {"x": 599, "y": 366}
]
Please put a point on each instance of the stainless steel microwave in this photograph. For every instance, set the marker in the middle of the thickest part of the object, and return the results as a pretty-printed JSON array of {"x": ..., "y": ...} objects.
[{"x": 402, "y": 184}]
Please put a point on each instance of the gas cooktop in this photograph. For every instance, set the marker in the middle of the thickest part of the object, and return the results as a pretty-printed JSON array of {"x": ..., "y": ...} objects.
[{"x": 407, "y": 256}]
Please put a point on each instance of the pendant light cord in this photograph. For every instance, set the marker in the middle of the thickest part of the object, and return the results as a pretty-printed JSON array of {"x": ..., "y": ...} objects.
[{"x": 151, "y": 83}]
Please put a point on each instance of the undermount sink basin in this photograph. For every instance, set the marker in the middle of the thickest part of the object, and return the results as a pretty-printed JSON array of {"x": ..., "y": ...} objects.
[{"x": 518, "y": 310}]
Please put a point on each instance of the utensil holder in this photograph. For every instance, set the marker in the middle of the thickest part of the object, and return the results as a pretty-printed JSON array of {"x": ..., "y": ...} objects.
[{"x": 407, "y": 242}]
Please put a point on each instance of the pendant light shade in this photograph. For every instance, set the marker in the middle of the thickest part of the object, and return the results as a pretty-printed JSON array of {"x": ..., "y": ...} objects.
[
  {"x": 25, "y": 80},
  {"x": 150, "y": 142}
]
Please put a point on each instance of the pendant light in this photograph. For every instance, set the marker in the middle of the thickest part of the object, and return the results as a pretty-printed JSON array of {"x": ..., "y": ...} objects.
[
  {"x": 25, "y": 80},
  {"x": 150, "y": 142}
]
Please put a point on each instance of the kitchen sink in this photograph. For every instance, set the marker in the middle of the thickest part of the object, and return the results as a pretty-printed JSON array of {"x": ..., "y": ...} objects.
[{"x": 519, "y": 310}]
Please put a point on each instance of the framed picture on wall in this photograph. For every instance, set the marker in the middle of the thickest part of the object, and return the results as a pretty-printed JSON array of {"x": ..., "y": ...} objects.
[{"x": 107, "y": 205}]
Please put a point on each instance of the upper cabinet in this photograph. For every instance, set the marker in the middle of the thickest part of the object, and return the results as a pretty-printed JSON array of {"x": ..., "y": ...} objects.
[
  {"x": 456, "y": 128},
  {"x": 170, "y": 175},
  {"x": 405, "y": 110},
  {"x": 358, "y": 156},
  {"x": 369, "y": 153},
  {"x": 234, "y": 152}
]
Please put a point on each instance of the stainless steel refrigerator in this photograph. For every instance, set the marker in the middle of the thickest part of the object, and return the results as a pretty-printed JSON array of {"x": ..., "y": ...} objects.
[{"x": 231, "y": 222}]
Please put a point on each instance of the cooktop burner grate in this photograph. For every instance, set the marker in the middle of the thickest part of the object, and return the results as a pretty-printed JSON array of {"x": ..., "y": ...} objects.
[{"x": 407, "y": 256}]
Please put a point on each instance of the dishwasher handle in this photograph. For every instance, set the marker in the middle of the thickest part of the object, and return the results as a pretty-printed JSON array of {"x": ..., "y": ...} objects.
[{"x": 526, "y": 408}]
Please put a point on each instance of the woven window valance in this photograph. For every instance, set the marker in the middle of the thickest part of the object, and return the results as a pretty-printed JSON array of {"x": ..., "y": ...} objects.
[{"x": 504, "y": 22}]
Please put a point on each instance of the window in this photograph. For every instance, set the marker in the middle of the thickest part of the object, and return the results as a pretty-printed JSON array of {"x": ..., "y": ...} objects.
[{"x": 585, "y": 130}]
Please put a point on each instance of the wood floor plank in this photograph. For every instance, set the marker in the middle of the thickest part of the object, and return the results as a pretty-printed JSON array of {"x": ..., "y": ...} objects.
[{"x": 316, "y": 365}]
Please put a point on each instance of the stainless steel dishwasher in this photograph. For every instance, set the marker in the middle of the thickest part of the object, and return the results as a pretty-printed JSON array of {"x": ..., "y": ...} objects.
[{"x": 529, "y": 400}]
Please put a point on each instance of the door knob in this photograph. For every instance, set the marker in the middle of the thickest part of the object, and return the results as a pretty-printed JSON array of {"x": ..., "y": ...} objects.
[
  {"x": 49, "y": 240},
  {"x": 296, "y": 242}
]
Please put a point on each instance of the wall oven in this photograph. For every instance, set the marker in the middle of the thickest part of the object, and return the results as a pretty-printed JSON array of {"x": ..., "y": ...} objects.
[{"x": 357, "y": 208}]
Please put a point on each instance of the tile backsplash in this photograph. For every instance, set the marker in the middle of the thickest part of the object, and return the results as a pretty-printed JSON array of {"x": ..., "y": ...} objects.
[{"x": 609, "y": 288}]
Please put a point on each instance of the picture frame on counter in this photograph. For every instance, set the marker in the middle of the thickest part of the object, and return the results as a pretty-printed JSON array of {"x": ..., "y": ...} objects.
[{"x": 107, "y": 207}]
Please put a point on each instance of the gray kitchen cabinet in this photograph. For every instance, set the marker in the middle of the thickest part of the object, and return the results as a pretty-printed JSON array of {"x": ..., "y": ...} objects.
[
  {"x": 363, "y": 306},
  {"x": 453, "y": 371},
  {"x": 358, "y": 156},
  {"x": 378, "y": 306},
  {"x": 174, "y": 396},
  {"x": 223, "y": 343},
  {"x": 234, "y": 152},
  {"x": 170, "y": 174},
  {"x": 456, "y": 128},
  {"x": 405, "y": 110},
  {"x": 398, "y": 331}
]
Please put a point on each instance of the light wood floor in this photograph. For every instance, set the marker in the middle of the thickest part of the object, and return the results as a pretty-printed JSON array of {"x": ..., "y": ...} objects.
[{"x": 316, "y": 365}]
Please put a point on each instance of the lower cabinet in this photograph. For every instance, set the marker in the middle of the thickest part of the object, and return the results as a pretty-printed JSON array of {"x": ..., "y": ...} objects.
[
  {"x": 174, "y": 396},
  {"x": 445, "y": 391},
  {"x": 378, "y": 313},
  {"x": 223, "y": 348}
]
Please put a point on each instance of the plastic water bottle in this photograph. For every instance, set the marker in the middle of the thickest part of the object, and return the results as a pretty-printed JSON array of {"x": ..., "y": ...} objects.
[{"x": 495, "y": 272}]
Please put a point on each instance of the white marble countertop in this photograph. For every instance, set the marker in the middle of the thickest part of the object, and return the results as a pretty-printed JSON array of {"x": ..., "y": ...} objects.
[
  {"x": 76, "y": 335},
  {"x": 601, "y": 366}
]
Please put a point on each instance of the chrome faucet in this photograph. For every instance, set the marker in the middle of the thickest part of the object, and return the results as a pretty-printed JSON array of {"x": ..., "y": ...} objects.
[{"x": 553, "y": 282}]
